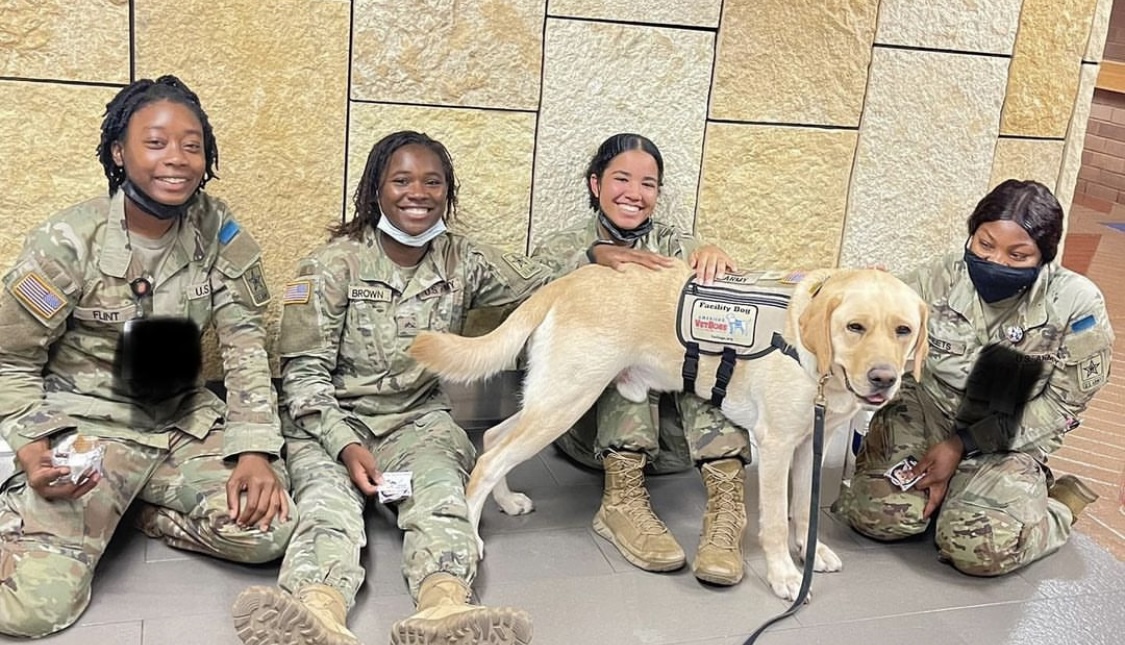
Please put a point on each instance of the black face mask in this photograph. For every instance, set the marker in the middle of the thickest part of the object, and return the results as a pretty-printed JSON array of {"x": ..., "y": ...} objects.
[
  {"x": 153, "y": 207},
  {"x": 995, "y": 282},
  {"x": 622, "y": 235}
]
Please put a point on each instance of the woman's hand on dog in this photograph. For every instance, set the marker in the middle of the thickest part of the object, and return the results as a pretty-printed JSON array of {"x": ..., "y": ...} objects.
[
  {"x": 617, "y": 257},
  {"x": 710, "y": 262},
  {"x": 938, "y": 465},
  {"x": 362, "y": 468}
]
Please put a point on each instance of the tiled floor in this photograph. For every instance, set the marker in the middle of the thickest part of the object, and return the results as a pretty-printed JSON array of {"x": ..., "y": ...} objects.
[{"x": 580, "y": 591}]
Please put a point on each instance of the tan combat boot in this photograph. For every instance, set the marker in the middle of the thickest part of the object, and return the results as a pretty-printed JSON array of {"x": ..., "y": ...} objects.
[
  {"x": 315, "y": 615},
  {"x": 445, "y": 616},
  {"x": 719, "y": 558},
  {"x": 626, "y": 518},
  {"x": 1070, "y": 490}
]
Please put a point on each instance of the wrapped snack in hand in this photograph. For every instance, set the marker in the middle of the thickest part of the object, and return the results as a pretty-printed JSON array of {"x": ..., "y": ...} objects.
[{"x": 82, "y": 455}]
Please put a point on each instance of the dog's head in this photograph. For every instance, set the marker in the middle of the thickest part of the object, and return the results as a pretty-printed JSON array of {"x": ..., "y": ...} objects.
[{"x": 862, "y": 325}]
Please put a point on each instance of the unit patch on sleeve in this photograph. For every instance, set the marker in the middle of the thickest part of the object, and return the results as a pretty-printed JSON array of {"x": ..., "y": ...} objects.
[
  {"x": 522, "y": 265},
  {"x": 1092, "y": 372},
  {"x": 39, "y": 296},
  {"x": 255, "y": 283},
  {"x": 297, "y": 292}
]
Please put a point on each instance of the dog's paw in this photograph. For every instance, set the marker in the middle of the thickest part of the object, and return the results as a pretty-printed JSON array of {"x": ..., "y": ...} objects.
[
  {"x": 784, "y": 579},
  {"x": 826, "y": 560},
  {"x": 515, "y": 504}
]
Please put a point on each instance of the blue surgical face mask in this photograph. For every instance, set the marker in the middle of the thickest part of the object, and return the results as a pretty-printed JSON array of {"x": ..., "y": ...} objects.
[
  {"x": 995, "y": 282},
  {"x": 402, "y": 237}
]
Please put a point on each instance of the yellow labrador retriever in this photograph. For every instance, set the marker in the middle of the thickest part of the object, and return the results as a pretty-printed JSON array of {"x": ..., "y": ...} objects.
[{"x": 853, "y": 329}]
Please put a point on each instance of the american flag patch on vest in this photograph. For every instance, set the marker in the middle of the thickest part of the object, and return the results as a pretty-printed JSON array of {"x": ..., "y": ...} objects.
[
  {"x": 297, "y": 292},
  {"x": 39, "y": 295}
]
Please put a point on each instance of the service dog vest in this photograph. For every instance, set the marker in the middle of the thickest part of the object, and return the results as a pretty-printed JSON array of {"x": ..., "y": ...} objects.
[{"x": 739, "y": 316}]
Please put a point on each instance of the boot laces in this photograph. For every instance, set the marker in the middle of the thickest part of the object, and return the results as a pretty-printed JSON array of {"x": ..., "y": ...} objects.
[
  {"x": 635, "y": 501},
  {"x": 726, "y": 508}
]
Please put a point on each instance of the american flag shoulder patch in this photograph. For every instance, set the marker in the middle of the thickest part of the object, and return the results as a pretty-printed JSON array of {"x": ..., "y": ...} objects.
[
  {"x": 39, "y": 295},
  {"x": 297, "y": 292}
]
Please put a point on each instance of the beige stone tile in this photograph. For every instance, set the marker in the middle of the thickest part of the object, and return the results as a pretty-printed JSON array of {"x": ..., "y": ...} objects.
[
  {"x": 485, "y": 53},
  {"x": 1075, "y": 136},
  {"x": 775, "y": 196},
  {"x": 274, "y": 85},
  {"x": 1099, "y": 28},
  {"x": 492, "y": 158},
  {"x": 924, "y": 156},
  {"x": 700, "y": 13},
  {"x": 793, "y": 62},
  {"x": 656, "y": 86},
  {"x": 1038, "y": 159},
  {"x": 1043, "y": 78},
  {"x": 48, "y": 134},
  {"x": 65, "y": 40},
  {"x": 962, "y": 25}
]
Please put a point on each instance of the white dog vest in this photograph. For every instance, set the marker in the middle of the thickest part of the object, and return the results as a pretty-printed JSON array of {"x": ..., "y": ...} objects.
[{"x": 739, "y": 316}]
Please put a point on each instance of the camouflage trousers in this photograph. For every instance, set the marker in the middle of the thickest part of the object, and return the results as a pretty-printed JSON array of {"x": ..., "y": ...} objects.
[
  {"x": 49, "y": 549},
  {"x": 996, "y": 516},
  {"x": 435, "y": 520},
  {"x": 674, "y": 429}
]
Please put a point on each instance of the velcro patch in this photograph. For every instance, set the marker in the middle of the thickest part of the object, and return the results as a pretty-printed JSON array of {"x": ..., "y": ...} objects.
[
  {"x": 255, "y": 283},
  {"x": 228, "y": 231},
  {"x": 297, "y": 292},
  {"x": 524, "y": 266},
  {"x": 39, "y": 295},
  {"x": 1082, "y": 324},
  {"x": 369, "y": 292},
  {"x": 1092, "y": 372}
]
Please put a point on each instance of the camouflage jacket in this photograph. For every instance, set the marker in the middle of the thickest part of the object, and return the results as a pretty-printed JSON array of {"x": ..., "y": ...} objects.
[
  {"x": 67, "y": 298},
  {"x": 565, "y": 251},
  {"x": 1061, "y": 320},
  {"x": 350, "y": 315}
]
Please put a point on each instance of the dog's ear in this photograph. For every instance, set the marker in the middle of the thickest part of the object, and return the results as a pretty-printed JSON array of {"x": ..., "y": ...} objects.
[
  {"x": 922, "y": 343},
  {"x": 816, "y": 329}
]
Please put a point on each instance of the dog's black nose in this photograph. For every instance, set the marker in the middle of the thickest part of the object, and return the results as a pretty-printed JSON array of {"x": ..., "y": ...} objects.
[{"x": 882, "y": 376}]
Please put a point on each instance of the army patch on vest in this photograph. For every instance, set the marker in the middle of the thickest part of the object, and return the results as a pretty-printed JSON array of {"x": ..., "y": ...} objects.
[
  {"x": 369, "y": 292},
  {"x": 256, "y": 285},
  {"x": 407, "y": 324},
  {"x": 297, "y": 292},
  {"x": 1092, "y": 372},
  {"x": 39, "y": 295},
  {"x": 435, "y": 290},
  {"x": 522, "y": 265}
]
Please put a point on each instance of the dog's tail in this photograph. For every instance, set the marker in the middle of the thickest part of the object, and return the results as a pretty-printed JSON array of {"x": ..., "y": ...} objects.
[{"x": 462, "y": 359}]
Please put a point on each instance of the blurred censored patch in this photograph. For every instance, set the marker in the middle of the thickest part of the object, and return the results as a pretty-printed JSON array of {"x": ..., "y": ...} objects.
[
  {"x": 158, "y": 358},
  {"x": 39, "y": 296}
]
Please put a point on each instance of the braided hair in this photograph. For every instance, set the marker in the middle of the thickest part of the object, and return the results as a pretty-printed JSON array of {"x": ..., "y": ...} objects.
[
  {"x": 133, "y": 97},
  {"x": 367, "y": 193}
]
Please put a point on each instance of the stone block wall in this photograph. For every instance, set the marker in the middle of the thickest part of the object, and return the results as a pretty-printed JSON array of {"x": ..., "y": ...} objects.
[{"x": 795, "y": 134}]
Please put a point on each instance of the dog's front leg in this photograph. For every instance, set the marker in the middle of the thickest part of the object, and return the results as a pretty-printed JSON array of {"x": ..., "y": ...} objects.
[
  {"x": 826, "y": 559},
  {"x": 773, "y": 483}
]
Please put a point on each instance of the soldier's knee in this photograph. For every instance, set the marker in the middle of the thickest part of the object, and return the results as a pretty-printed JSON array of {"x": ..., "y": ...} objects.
[
  {"x": 879, "y": 512},
  {"x": 39, "y": 602},
  {"x": 979, "y": 541},
  {"x": 254, "y": 546}
]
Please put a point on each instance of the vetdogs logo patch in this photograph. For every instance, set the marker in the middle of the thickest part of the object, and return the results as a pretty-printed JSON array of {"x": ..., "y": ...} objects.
[{"x": 724, "y": 323}]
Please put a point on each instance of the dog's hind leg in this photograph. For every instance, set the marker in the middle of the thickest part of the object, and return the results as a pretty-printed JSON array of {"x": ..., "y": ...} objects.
[
  {"x": 510, "y": 502},
  {"x": 826, "y": 559}
]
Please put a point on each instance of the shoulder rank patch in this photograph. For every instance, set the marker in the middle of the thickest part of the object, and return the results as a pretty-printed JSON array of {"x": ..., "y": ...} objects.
[
  {"x": 39, "y": 295},
  {"x": 228, "y": 231},
  {"x": 297, "y": 292},
  {"x": 524, "y": 266},
  {"x": 256, "y": 285}
]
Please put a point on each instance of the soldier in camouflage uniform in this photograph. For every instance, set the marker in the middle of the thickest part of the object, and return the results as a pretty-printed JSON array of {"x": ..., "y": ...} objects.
[
  {"x": 997, "y": 505},
  {"x": 361, "y": 406},
  {"x": 673, "y": 431},
  {"x": 202, "y": 468}
]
